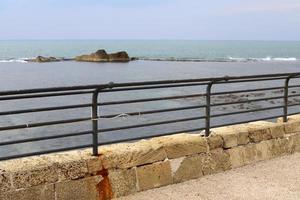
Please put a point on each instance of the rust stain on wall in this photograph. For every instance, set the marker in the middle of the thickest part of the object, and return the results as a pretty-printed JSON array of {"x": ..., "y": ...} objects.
[{"x": 104, "y": 187}]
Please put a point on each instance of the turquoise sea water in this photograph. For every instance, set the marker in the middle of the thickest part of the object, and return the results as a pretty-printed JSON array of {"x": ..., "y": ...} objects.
[{"x": 16, "y": 51}]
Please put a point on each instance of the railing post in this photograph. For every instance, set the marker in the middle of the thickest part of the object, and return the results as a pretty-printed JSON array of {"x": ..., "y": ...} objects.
[
  {"x": 95, "y": 121},
  {"x": 207, "y": 116},
  {"x": 286, "y": 99}
]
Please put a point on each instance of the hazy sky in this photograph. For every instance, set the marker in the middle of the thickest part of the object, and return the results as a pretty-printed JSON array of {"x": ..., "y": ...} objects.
[{"x": 150, "y": 19}]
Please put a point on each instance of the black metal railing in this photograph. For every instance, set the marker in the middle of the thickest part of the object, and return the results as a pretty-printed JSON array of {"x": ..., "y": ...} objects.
[{"x": 204, "y": 100}]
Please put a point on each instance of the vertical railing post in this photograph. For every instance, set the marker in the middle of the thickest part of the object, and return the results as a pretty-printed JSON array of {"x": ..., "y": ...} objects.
[
  {"x": 95, "y": 121},
  {"x": 208, "y": 102},
  {"x": 286, "y": 99}
]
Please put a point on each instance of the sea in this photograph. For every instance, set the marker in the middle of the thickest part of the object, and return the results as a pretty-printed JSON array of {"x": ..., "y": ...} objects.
[
  {"x": 185, "y": 50},
  {"x": 156, "y": 60}
]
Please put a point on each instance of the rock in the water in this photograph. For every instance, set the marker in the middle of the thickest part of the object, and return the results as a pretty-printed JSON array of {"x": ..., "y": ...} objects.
[
  {"x": 98, "y": 56},
  {"x": 102, "y": 56},
  {"x": 42, "y": 59},
  {"x": 121, "y": 56}
]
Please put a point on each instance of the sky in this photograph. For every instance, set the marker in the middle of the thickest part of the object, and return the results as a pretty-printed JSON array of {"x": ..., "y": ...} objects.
[{"x": 150, "y": 19}]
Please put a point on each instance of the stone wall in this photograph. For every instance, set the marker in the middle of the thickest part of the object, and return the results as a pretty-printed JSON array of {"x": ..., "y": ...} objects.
[{"x": 127, "y": 168}]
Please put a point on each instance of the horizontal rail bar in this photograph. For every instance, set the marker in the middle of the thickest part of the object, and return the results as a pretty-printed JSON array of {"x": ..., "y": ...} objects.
[
  {"x": 247, "y": 101},
  {"x": 35, "y": 139},
  {"x": 294, "y": 95},
  {"x": 152, "y": 136},
  {"x": 252, "y": 80},
  {"x": 32, "y": 96},
  {"x": 150, "y": 99},
  {"x": 151, "y": 124},
  {"x": 113, "y": 85},
  {"x": 246, "y": 111},
  {"x": 295, "y": 104},
  {"x": 294, "y": 113},
  {"x": 13, "y": 112},
  {"x": 40, "y": 124},
  {"x": 153, "y": 87},
  {"x": 247, "y": 121},
  {"x": 154, "y": 111},
  {"x": 294, "y": 86}
]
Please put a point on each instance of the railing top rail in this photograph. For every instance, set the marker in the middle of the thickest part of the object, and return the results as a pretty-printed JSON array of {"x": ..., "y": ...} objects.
[{"x": 145, "y": 83}]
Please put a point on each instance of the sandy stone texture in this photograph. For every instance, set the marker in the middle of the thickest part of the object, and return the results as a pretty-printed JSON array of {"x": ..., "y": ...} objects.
[
  {"x": 82, "y": 189},
  {"x": 154, "y": 175},
  {"x": 180, "y": 145},
  {"x": 275, "y": 179},
  {"x": 126, "y": 155}
]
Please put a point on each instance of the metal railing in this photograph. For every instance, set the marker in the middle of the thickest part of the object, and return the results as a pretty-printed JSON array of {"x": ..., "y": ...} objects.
[{"x": 96, "y": 105}]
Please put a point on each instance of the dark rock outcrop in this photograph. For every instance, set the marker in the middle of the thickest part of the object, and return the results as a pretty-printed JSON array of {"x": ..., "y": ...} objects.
[
  {"x": 121, "y": 56},
  {"x": 42, "y": 59},
  {"x": 98, "y": 56},
  {"x": 102, "y": 56}
]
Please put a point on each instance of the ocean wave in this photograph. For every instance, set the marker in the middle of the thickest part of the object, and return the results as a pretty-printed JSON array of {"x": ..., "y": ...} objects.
[
  {"x": 228, "y": 59},
  {"x": 266, "y": 59},
  {"x": 13, "y": 60}
]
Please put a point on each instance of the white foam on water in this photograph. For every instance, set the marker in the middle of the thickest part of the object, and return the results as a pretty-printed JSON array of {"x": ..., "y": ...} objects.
[
  {"x": 285, "y": 59},
  {"x": 266, "y": 59},
  {"x": 12, "y": 60}
]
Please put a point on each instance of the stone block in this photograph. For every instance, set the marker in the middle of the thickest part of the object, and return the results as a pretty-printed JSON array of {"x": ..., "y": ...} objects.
[
  {"x": 94, "y": 163},
  {"x": 263, "y": 150},
  {"x": 123, "y": 182},
  {"x": 233, "y": 135},
  {"x": 216, "y": 161},
  {"x": 81, "y": 189},
  {"x": 180, "y": 145},
  {"x": 279, "y": 147},
  {"x": 296, "y": 142},
  {"x": 214, "y": 141},
  {"x": 127, "y": 155},
  {"x": 250, "y": 154},
  {"x": 229, "y": 136},
  {"x": 187, "y": 168},
  {"x": 236, "y": 156},
  {"x": 259, "y": 132},
  {"x": 43, "y": 192},
  {"x": 154, "y": 175},
  {"x": 28, "y": 172},
  {"x": 292, "y": 125},
  {"x": 263, "y": 130},
  {"x": 243, "y": 138},
  {"x": 68, "y": 165}
]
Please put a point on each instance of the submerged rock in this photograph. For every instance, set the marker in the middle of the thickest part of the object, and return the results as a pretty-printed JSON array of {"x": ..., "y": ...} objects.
[
  {"x": 42, "y": 59},
  {"x": 102, "y": 56}
]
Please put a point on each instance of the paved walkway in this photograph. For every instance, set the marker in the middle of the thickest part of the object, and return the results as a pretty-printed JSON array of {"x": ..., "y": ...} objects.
[{"x": 275, "y": 179}]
